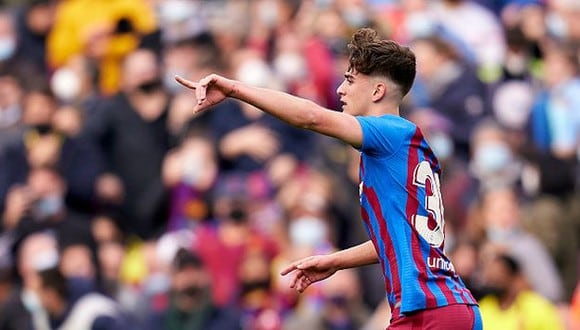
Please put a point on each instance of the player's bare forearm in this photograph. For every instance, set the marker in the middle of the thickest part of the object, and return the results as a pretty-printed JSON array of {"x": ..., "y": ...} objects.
[
  {"x": 293, "y": 110},
  {"x": 359, "y": 255}
]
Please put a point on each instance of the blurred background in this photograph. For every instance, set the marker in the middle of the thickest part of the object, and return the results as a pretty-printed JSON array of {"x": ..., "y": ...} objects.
[{"x": 120, "y": 210}]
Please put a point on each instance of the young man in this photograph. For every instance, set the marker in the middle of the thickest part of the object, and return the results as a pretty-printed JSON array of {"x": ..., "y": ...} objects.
[{"x": 399, "y": 183}]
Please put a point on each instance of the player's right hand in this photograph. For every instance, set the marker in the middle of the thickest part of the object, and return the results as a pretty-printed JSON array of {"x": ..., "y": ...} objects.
[
  {"x": 209, "y": 91},
  {"x": 310, "y": 270}
]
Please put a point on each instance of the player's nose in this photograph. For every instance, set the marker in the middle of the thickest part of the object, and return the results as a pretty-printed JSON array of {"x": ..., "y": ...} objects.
[{"x": 340, "y": 89}]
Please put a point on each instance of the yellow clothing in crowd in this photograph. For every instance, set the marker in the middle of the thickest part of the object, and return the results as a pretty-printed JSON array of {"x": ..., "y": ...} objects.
[
  {"x": 88, "y": 27},
  {"x": 530, "y": 311}
]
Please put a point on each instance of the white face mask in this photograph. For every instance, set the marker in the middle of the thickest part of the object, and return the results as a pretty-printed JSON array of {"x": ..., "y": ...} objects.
[
  {"x": 192, "y": 168},
  {"x": 290, "y": 66},
  {"x": 556, "y": 25},
  {"x": 7, "y": 48},
  {"x": 175, "y": 11},
  {"x": 65, "y": 84},
  {"x": 500, "y": 235},
  {"x": 31, "y": 302},
  {"x": 308, "y": 231}
]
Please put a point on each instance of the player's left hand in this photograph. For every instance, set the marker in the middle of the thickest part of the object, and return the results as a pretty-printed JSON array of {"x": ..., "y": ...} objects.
[
  {"x": 310, "y": 270},
  {"x": 209, "y": 91}
]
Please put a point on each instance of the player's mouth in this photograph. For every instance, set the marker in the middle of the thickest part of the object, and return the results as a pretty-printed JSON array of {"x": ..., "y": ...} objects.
[{"x": 342, "y": 104}]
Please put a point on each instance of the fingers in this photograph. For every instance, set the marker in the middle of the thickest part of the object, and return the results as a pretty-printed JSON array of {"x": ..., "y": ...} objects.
[
  {"x": 187, "y": 83},
  {"x": 288, "y": 269},
  {"x": 307, "y": 263}
]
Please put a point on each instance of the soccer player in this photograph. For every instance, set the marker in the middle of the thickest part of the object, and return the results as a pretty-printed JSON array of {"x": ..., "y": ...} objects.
[{"x": 399, "y": 183}]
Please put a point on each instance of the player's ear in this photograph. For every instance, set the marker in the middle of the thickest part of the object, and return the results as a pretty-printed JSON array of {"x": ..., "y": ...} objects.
[{"x": 379, "y": 92}]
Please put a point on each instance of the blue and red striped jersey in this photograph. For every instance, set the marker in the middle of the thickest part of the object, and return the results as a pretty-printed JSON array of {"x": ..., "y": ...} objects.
[{"x": 402, "y": 210}]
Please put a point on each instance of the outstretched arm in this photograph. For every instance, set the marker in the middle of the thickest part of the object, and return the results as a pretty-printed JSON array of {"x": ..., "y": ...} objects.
[
  {"x": 317, "y": 268},
  {"x": 293, "y": 110}
]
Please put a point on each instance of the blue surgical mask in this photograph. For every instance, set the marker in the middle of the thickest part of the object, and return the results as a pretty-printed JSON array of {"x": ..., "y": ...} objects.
[
  {"x": 49, "y": 206},
  {"x": 157, "y": 283},
  {"x": 31, "y": 302},
  {"x": 441, "y": 145},
  {"x": 556, "y": 25},
  {"x": 7, "y": 48},
  {"x": 492, "y": 157}
]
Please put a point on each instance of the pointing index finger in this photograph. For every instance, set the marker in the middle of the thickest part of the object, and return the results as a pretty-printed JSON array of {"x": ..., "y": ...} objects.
[{"x": 187, "y": 83}]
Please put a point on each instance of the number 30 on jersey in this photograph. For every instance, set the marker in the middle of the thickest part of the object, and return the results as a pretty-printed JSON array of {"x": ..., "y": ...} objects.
[{"x": 422, "y": 176}]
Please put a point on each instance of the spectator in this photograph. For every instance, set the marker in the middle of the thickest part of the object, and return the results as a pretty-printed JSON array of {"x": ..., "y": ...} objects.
[
  {"x": 131, "y": 133},
  {"x": 452, "y": 89},
  {"x": 41, "y": 145},
  {"x": 11, "y": 93},
  {"x": 105, "y": 31},
  {"x": 24, "y": 310},
  {"x": 33, "y": 24},
  {"x": 475, "y": 27},
  {"x": 90, "y": 311},
  {"x": 342, "y": 307},
  {"x": 190, "y": 171},
  {"x": 190, "y": 305},
  {"x": 502, "y": 218},
  {"x": 233, "y": 236},
  {"x": 509, "y": 305}
]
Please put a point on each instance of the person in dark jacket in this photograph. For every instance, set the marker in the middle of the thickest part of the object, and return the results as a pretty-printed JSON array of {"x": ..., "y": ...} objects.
[
  {"x": 130, "y": 131},
  {"x": 190, "y": 305},
  {"x": 451, "y": 88}
]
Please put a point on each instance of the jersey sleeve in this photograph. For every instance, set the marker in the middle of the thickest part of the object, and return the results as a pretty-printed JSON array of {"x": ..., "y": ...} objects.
[{"x": 383, "y": 136}]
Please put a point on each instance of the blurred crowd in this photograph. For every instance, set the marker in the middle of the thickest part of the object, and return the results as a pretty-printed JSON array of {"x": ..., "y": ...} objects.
[{"x": 121, "y": 210}]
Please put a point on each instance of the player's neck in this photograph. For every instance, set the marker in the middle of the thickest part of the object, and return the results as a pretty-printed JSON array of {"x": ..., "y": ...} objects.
[{"x": 383, "y": 108}]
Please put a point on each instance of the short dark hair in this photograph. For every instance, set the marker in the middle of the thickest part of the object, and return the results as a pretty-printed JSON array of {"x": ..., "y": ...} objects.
[
  {"x": 510, "y": 263},
  {"x": 185, "y": 259},
  {"x": 371, "y": 55},
  {"x": 53, "y": 279}
]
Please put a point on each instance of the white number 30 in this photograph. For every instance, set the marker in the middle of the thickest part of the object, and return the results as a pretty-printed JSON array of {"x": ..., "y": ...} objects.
[{"x": 422, "y": 176}]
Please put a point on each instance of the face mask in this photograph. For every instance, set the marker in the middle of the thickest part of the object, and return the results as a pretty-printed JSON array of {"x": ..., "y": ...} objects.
[
  {"x": 419, "y": 25},
  {"x": 441, "y": 145},
  {"x": 46, "y": 259},
  {"x": 268, "y": 13},
  {"x": 251, "y": 286},
  {"x": 169, "y": 82},
  {"x": 193, "y": 292},
  {"x": 308, "y": 231},
  {"x": 290, "y": 66},
  {"x": 499, "y": 235},
  {"x": 492, "y": 157},
  {"x": 255, "y": 72},
  {"x": 48, "y": 206},
  {"x": 43, "y": 129},
  {"x": 65, "y": 84},
  {"x": 556, "y": 25},
  {"x": 355, "y": 17},
  {"x": 31, "y": 301},
  {"x": 150, "y": 86},
  {"x": 238, "y": 215},
  {"x": 157, "y": 283},
  {"x": 192, "y": 169},
  {"x": 7, "y": 48},
  {"x": 175, "y": 11}
]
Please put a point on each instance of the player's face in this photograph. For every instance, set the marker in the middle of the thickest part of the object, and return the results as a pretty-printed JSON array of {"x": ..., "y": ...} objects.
[{"x": 355, "y": 93}]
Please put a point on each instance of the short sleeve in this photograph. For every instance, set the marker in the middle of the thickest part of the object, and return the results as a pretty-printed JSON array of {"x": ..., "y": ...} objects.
[{"x": 383, "y": 136}]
